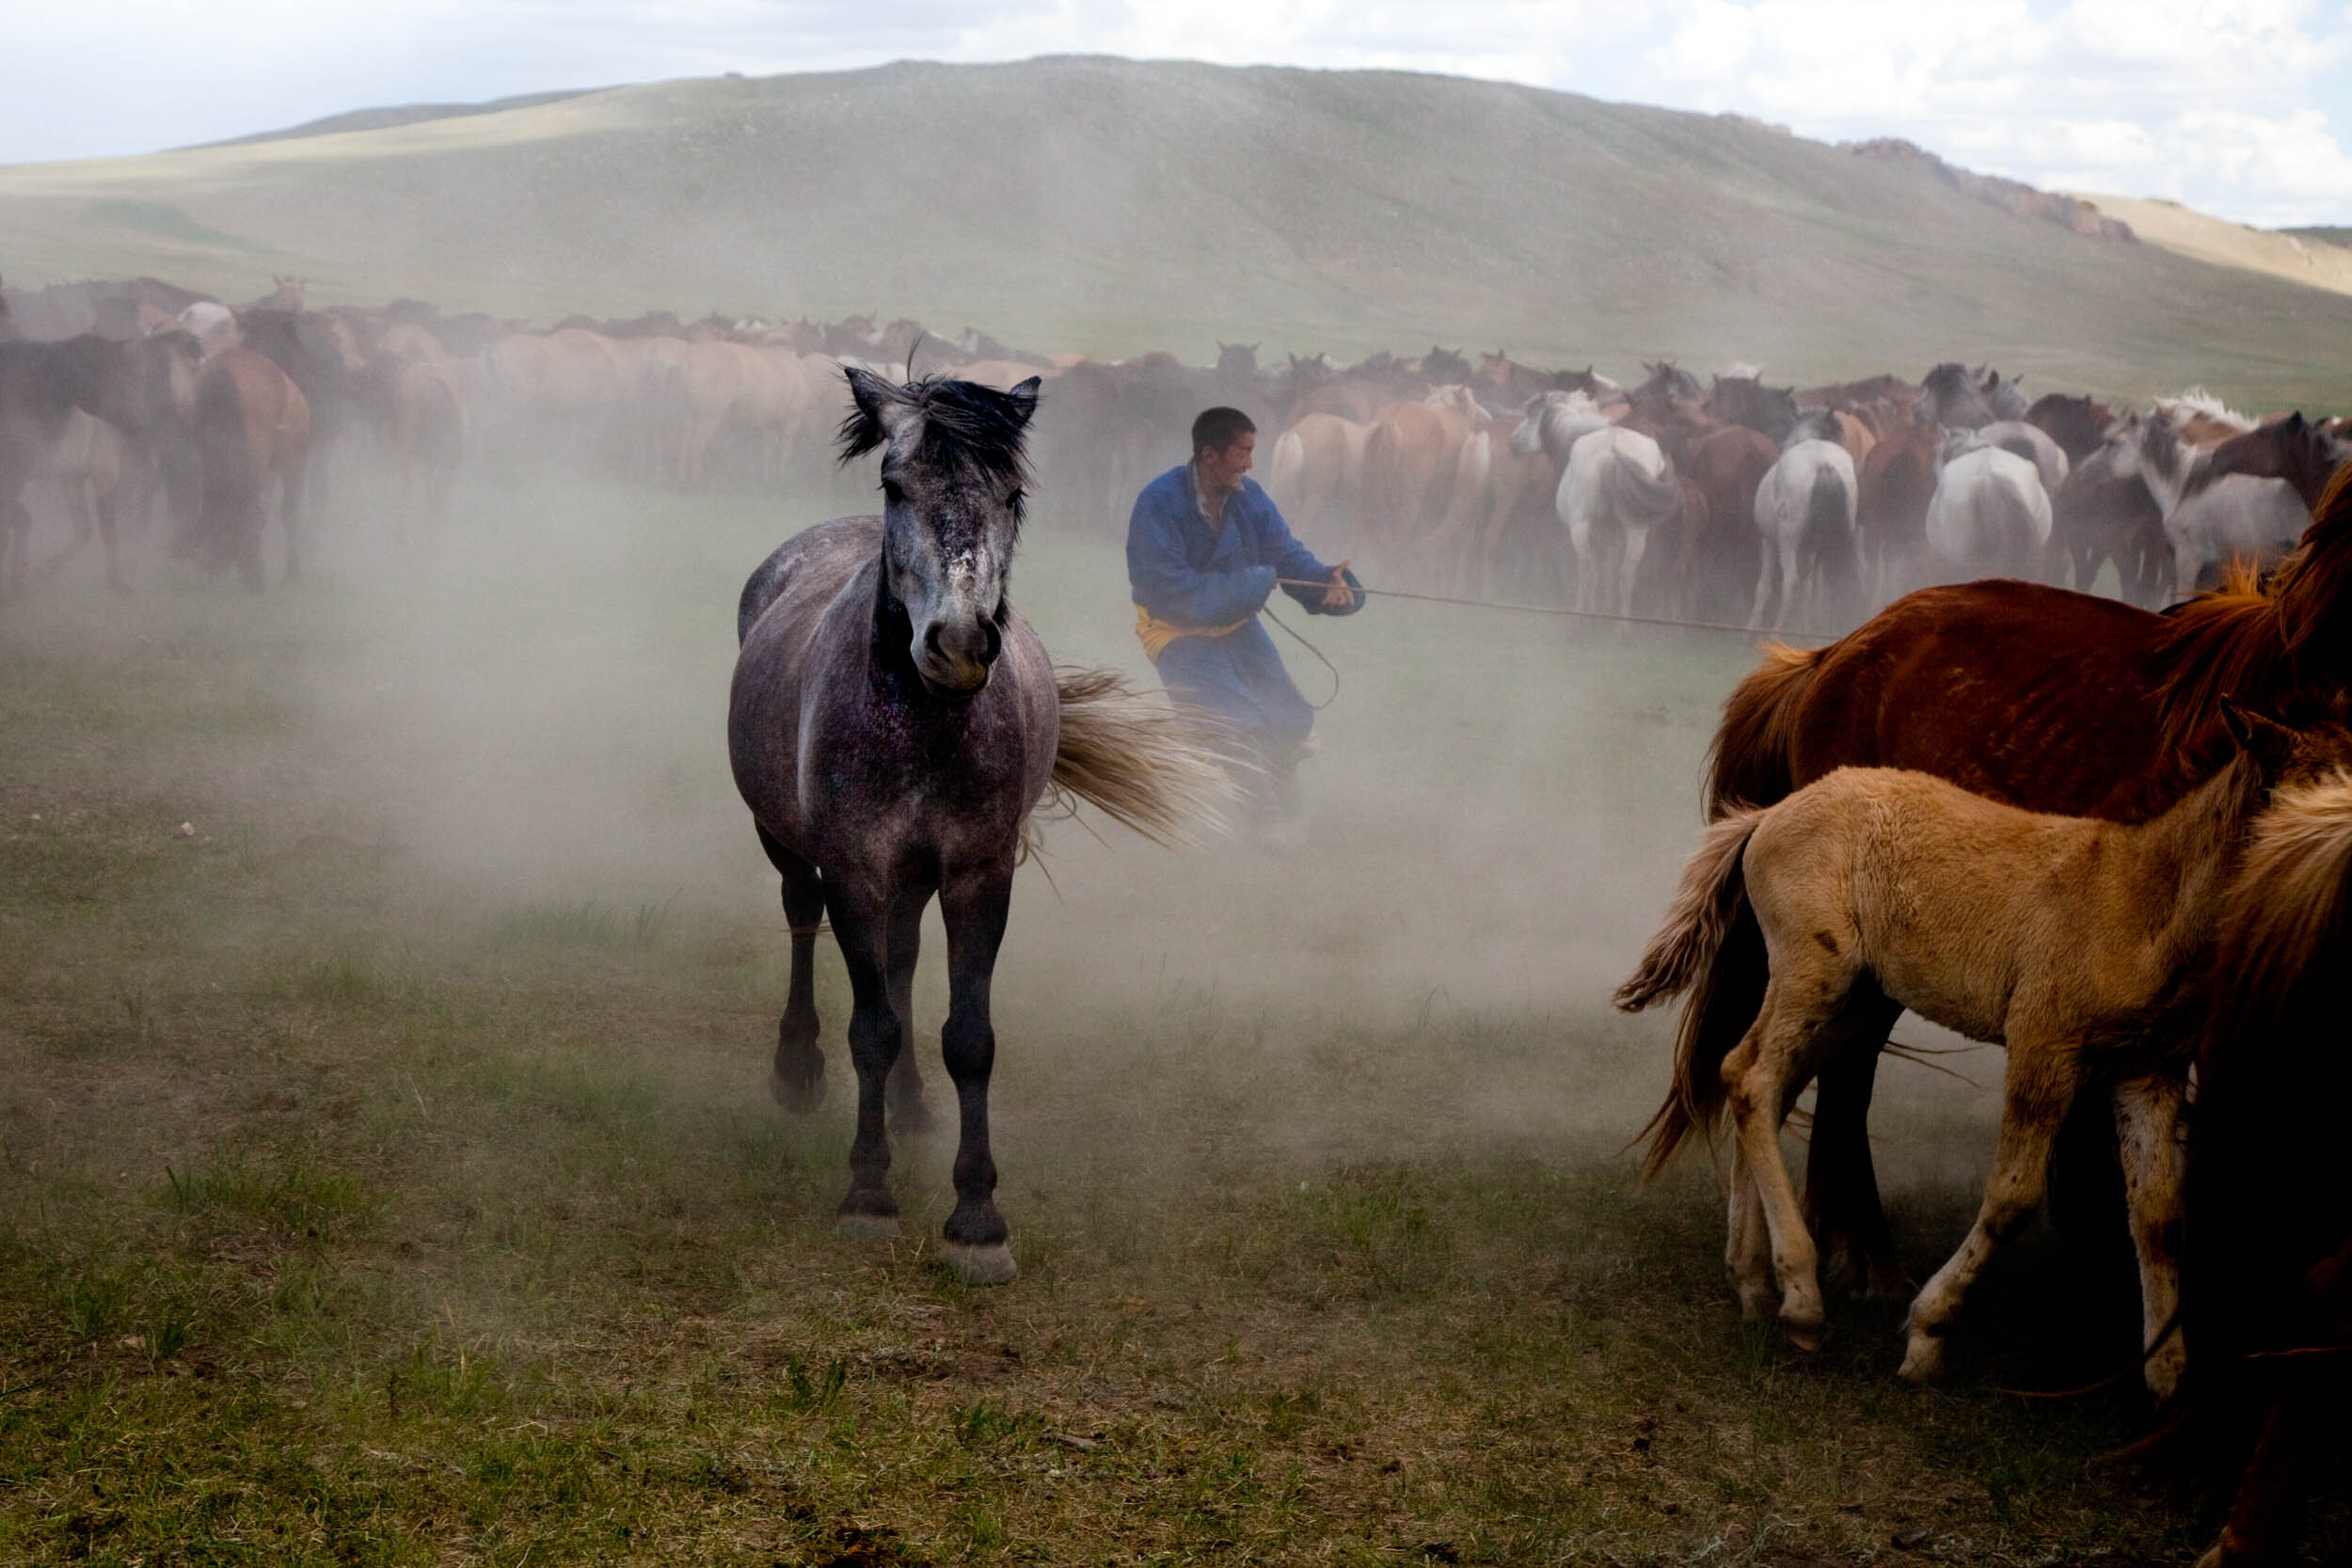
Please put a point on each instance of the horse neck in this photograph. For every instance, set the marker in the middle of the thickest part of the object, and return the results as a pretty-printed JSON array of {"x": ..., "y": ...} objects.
[
  {"x": 2183, "y": 859},
  {"x": 2169, "y": 485}
]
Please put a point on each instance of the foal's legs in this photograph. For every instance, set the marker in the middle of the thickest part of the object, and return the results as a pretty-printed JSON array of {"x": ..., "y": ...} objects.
[
  {"x": 974, "y": 904},
  {"x": 2041, "y": 1083},
  {"x": 797, "y": 1081},
  {"x": 1761, "y": 1077},
  {"x": 2148, "y": 1123},
  {"x": 861, "y": 926},
  {"x": 1747, "y": 1245}
]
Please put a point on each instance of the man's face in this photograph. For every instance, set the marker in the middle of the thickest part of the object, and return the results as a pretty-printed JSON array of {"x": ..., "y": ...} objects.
[{"x": 1222, "y": 471}]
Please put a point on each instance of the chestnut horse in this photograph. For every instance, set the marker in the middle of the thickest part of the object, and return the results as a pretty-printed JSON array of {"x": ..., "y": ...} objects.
[{"x": 2047, "y": 699}]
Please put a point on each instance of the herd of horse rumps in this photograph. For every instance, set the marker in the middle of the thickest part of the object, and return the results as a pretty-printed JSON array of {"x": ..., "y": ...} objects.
[{"x": 2076, "y": 777}]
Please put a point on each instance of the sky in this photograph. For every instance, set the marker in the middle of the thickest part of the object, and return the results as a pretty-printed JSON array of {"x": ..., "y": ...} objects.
[{"x": 2242, "y": 108}]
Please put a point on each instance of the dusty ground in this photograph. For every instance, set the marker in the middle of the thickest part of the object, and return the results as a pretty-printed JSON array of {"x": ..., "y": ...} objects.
[{"x": 386, "y": 1174}]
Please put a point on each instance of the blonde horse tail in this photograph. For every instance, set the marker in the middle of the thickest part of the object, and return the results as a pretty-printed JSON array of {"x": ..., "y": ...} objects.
[
  {"x": 1151, "y": 765},
  {"x": 1683, "y": 956},
  {"x": 1286, "y": 473}
]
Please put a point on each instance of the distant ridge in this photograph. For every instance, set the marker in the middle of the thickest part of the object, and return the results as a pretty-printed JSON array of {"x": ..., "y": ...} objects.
[
  {"x": 1095, "y": 205},
  {"x": 396, "y": 114}
]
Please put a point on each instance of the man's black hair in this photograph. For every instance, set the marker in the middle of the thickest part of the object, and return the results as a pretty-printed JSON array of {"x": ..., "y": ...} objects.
[{"x": 1218, "y": 428}]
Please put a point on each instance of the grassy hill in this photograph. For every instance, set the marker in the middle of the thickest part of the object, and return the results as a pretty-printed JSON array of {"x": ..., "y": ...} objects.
[{"x": 1108, "y": 205}]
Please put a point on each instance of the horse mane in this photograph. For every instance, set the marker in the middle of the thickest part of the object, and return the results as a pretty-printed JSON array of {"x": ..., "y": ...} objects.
[
  {"x": 967, "y": 427},
  {"x": 2196, "y": 400},
  {"x": 2246, "y": 638}
]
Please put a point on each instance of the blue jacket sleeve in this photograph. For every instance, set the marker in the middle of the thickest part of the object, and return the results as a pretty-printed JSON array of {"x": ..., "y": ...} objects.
[
  {"x": 1294, "y": 561},
  {"x": 1171, "y": 588}
]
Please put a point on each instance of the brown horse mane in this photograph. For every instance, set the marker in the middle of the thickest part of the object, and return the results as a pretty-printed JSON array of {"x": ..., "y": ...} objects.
[{"x": 2248, "y": 637}]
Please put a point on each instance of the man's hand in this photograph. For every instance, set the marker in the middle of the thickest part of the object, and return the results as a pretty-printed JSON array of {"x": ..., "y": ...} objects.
[{"x": 1339, "y": 595}]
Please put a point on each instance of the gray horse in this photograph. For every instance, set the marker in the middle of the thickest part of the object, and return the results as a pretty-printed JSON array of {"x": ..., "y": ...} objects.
[{"x": 892, "y": 723}]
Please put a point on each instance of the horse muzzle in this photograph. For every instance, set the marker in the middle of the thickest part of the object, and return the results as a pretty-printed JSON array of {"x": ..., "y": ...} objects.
[{"x": 956, "y": 660}]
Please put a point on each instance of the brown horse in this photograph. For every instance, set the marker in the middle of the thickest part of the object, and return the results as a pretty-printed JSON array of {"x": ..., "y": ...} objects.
[
  {"x": 1726, "y": 462},
  {"x": 253, "y": 428},
  {"x": 2267, "y": 1264},
  {"x": 1896, "y": 482},
  {"x": 2050, "y": 700},
  {"x": 2305, "y": 455}
]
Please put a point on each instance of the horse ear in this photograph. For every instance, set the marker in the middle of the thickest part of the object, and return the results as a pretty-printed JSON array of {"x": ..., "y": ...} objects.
[
  {"x": 877, "y": 412},
  {"x": 2265, "y": 740},
  {"x": 1025, "y": 399}
]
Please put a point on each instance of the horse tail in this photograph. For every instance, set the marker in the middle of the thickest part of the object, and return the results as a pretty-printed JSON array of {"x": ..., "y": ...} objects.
[
  {"x": 1750, "y": 760},
  {"x": 2009, "y": 523},
  {"x": 1710, "y": 903},
  {"x": 1829, "y": 529},
  {"x": 1638, "y": 495},
  {"x": 230, "y": 489},
  {"x": 1148, "y": 764}
]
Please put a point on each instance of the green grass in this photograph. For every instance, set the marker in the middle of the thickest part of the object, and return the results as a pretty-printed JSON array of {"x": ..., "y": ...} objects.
[
  {"x": 1110, "y": 207},
  {"x": 386, "y": 1176}
]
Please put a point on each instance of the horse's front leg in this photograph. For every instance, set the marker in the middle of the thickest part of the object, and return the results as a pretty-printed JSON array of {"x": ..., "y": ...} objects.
[
  {"x": 861, "y": 926},
  {"x": 907, "y": 1112},
  {"x": 797, "y": 1081},
  {"x": 2148, "y": 1123},
  {"x": 975, "y": 905}
]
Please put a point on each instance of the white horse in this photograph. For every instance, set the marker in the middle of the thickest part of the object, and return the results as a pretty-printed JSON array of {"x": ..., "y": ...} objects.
[
  {"x": 2030, "y": 442},
  {"x": 1618, "y": 486},
  {"x": 2236, "y": 515},
  {"x": 1805, "y": 521},
  {"x": 1989, "y": 516},
  {"x": 1553, "y": 422}
]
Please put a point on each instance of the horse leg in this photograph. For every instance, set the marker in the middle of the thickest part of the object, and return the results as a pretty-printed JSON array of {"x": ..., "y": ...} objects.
[
  {"x": 861, "y": 926},
  {"x": 2266, "y": 1514},
  {"x": 2041, "y": 1083},
  {"x": 907, "y": 1112},
  {"x": 2148, "y": 1123},
  {"x": 797, "y": 1080},
  {"x": 1842, "y": 1208},
  {"x": 974, "y": 904},
  {"x": 1747, "y": 1244},
  {"x": 1630, "y": 566},
  {"x": 1761, "y": 1078}
]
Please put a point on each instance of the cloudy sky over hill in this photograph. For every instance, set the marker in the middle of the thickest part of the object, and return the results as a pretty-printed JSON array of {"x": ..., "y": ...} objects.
[{"x": 2235, "y": 106}]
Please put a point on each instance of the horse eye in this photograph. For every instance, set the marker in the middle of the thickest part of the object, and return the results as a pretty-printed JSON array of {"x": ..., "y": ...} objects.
[{"x": 891, "y": 493}]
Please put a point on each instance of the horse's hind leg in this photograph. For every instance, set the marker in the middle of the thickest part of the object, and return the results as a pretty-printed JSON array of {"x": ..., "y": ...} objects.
[
  {"x": 290, "y": 500},
  {"x": 797, "y": 1081},
  {"x": 2042, "y": 1077},
  {"x": 2148, "y": 1122},
  {"x": 976, "y": 905},
  {"x": 860, "y": 926},
  {"x": 907, "y": 1112},
  {"x": 1842, "y": 1208}
]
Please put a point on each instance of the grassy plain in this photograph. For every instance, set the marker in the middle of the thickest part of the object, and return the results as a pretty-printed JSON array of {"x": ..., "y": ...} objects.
[
  {"x": 386, "y": 1176},
  {"x": 1109, "y": 206}
]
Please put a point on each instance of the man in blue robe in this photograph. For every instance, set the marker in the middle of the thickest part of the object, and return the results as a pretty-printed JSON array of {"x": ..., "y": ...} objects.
[{"x": 1205, "y": 548}]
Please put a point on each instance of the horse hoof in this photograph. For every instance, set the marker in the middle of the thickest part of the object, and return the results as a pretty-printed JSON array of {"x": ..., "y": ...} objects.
[
  {"x": 979, "y": 1265},
  {"x": 1923, "y": 1362},
  {"x": 1806, "y": 1335},
  {"x": 800, "y": 1098},
  {"x": 867, "y": 1227}
]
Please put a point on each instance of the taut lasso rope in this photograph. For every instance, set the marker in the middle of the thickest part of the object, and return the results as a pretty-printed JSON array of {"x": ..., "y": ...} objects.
[{"x": 1575, "y": 614}]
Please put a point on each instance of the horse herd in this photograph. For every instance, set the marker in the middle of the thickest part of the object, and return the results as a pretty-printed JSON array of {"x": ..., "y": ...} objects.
[
  {"x": 1732, "y": 501},
  {"x": 2138, "y": 876}
]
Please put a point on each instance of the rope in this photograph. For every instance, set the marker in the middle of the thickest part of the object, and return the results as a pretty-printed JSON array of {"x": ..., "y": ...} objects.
[
  {"x": 1267, "y": 610},
  {"x": 1576, "y": 614}
]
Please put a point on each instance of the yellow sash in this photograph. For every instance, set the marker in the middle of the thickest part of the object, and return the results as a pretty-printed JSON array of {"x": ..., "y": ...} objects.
[{"x": 1156, "y": 634}]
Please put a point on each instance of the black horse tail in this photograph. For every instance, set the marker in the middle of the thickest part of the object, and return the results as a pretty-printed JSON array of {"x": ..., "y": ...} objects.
[
  {"x": 229, "y": 496},
  {"x": 1829, "y": 541},
  {"x": 1151, "y": 764}
]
